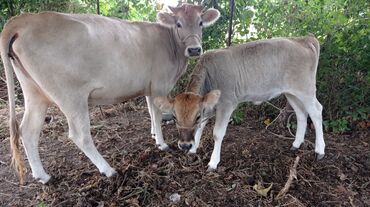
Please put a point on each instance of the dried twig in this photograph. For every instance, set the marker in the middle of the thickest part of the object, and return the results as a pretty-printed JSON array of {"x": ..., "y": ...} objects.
[{"x": 292, "y": 174}]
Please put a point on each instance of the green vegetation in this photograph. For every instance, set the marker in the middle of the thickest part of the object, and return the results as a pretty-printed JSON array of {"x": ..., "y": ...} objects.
[{"x": 342, "y": 27}]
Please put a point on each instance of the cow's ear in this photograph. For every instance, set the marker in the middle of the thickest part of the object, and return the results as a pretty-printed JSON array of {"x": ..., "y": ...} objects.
[
  {"x": 211, "y": 99},
  {"x": 164, "y": 104},
  {"x": 166, "y": 19},
  {"x": 210, "y": 16}
]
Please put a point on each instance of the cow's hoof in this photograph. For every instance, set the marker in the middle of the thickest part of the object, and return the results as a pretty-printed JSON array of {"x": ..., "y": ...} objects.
[
  {"x": 294, "y": 149},
  {"x": 319, "y": 156},
  {"x": 211, "y": 169},
  {"x": 43, "y": 179}
]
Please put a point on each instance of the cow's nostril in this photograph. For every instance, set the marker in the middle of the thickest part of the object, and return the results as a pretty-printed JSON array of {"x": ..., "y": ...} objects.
[
  {"x": 190, "y": 50},
  {"x": 198, "y": 50}
]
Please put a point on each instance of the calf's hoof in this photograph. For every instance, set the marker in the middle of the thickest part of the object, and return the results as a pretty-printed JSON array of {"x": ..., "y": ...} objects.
[
  {"x": 319, "y": 156},
  {"x": 192, "y": 151},
  {"x": 211, "y": 169},
  {"x": 165, "y": 148},
  {"x": 109, "y": 173},
  {"x": 168, "y": 149},
  {"x": 294, "y": 149},
  {"x": 43, "y": 179}
]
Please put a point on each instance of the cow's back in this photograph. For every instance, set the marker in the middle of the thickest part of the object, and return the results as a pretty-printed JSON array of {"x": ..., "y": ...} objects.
[{"x": 90, "y": 54}]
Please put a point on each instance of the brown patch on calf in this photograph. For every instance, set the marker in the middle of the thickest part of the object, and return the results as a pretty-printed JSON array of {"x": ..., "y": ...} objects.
[{"x": 187, "y": 107}]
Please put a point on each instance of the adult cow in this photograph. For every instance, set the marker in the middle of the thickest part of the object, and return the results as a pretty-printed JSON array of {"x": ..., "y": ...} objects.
[
  {"x": 74, "y": 60},
  {"x": 256, "y": 72}
]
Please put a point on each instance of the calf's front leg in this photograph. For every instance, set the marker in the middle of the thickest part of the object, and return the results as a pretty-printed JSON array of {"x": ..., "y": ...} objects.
[
  {"x": 197, "y": 137},
  {"x": 223, "y": 114}
]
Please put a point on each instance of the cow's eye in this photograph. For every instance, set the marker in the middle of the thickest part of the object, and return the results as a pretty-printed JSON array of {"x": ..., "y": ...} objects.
[
  {"x": 200, "y": 24},
  {"x": 178, "y": 24}
]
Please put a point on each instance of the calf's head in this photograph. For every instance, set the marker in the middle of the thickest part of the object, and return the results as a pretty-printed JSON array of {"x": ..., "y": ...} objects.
[
  {"x": 189, "y": 111},
  {"x": 187, "y": 21}
]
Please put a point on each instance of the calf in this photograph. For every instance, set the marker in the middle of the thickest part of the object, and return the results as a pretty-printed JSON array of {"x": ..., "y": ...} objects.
[{"x": 256, "y": 72}]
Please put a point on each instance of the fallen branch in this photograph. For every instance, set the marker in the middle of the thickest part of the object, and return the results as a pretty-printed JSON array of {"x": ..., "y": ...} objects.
[{"x": 292, "y": 175}]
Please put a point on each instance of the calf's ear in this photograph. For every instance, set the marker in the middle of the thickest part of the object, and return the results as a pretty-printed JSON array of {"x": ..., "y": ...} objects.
[
  {"x": 211, "y": 99},
  {"x": 166, "y": 19},
  {"x": 163, "y": 103},
  {"x": 210, "y": 16}
]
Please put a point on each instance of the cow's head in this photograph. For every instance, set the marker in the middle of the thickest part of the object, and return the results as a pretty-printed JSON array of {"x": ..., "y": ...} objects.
[
  {"x": 188, "y": 21},
  {"x": 189, "y": 111}
]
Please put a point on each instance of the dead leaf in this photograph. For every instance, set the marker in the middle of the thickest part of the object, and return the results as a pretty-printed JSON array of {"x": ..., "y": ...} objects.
[
  {"x": 342, "y": 176},
  {"x": 261, "y": 190},
  {"x": 267, "y": 121}
]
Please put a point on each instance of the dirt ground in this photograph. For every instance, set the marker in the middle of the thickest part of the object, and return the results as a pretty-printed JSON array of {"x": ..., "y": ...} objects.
[{"x": 148, "y": 176}]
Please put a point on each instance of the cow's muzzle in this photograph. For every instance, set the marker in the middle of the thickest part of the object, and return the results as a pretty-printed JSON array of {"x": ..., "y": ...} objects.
[{"x": 194, "y": 51}]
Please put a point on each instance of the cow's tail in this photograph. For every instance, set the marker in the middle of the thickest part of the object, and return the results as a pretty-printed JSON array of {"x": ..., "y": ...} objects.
[
  {"x": 315, "y": 46},
  {"x": 7, "y": 55}
]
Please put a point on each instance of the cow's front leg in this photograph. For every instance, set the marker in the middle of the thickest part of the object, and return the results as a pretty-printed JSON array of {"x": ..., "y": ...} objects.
[
  {"x": 197, "y": 136},
  {"x": 150, "y": 110},
  {"x": 157, "y": 119},
  {"x": 223, "y": 114},
  {"x": 78, "y": 120}
]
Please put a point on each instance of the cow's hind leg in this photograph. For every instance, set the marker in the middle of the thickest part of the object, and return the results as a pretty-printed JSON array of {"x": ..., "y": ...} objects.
[
  {"x": 301, "y": 115},
  {"x": 79, "y": 131},
  {"x": 223, "y": 113},
  {"x": 33, "y": 119}
]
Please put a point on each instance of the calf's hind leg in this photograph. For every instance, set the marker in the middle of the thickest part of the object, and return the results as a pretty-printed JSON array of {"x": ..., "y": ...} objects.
[
  {"x": 301, "y": 115},
  {"x": 314, "y": 109}
]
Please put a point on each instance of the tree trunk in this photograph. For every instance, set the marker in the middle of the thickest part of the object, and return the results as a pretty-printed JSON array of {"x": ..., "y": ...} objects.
[
  {"x": 97, "y": 7},
  {"x": 230, "y": 22}
]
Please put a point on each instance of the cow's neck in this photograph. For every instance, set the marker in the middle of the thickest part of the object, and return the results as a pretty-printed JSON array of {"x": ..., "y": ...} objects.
[{"x": 176, "y": 52}]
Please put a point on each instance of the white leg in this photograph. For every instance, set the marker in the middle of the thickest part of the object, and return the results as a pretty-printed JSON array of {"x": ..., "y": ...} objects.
[
  {"x": 197, "y": 137},
  {"x": 150, "y": 109},
  {"x": 33, "y": 119},
  {"x": 157, "y": 119},
  {"x": 301, "y": 120},
  {"x": 314, "y": 109},
  {"x": 79, "y": 131},
  {"x": 223, "y": 113}
]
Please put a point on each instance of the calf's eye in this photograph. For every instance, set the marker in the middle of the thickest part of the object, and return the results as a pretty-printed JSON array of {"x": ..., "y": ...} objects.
[
  {"x": 178, "y": 25},
  {"x": 200, "y": 24},
  {"x": 198, "y": 118}
]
